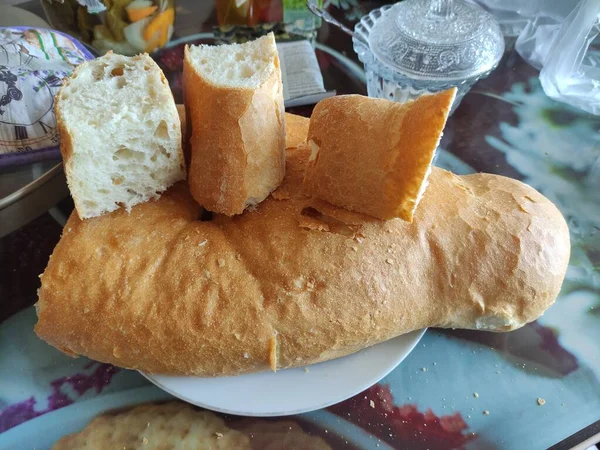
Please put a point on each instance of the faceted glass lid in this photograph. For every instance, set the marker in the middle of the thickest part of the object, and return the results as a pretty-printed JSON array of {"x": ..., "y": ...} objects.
[{"x": 437, "y": 39}]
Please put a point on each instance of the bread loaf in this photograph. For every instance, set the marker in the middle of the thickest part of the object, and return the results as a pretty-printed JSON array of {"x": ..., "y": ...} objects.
[
  {"x": 120, "y": 134},
  {"x": 298, "y": 281},
  {"x": 234, "y": 103},
  {"x": 372, "y": 155}
]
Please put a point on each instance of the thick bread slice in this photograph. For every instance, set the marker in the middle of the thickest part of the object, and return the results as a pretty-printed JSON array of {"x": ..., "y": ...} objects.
[
  {"x": 120, "y": 134},
  {"x": 296, "y": 281},
  {"x": 234, "y": 103},
  {"x": 157, "y": 427},
  {"x": 372, "y": 155}
]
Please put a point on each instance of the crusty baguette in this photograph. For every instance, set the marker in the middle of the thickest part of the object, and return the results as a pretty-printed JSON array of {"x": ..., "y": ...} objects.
[
  {"x": 372, "y": 155},
  {"x": 156, "y": 427},
  {"x": 120, "y": 134},
  {"x": 313, "y": 281},
  {"x": 234, "y": 100}
]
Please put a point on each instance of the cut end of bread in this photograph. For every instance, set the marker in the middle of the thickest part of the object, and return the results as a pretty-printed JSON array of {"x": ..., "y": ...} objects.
[
  {"x": 445, "y": 100},
  {"x": 120, "y": 134},
  {"x": 421, "y": 192},
  {"x": 245, "y": 65}
]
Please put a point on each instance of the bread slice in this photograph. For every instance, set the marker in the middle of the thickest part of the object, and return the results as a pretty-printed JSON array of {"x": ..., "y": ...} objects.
[
  {"x": 120, "y": 133},
  {"x": 156, "y": 426},
  {"x": 234, "y": 104},
  {"x": 372, "y": 155}
]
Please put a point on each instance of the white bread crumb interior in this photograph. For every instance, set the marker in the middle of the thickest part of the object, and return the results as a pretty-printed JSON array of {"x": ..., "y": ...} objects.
[
  {"x": 245, "y": 65},
  {"x": 124, "y": 130}
]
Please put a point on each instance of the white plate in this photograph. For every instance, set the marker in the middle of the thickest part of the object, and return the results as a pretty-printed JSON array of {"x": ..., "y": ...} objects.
[{"x": 292, "y": 391}]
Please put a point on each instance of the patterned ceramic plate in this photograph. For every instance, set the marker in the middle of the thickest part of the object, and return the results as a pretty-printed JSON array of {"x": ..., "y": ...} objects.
[{"x": 43, "y": 432}]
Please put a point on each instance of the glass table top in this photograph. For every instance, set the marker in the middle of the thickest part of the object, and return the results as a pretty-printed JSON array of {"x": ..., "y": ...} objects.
[{"x": 530, "y": 388}]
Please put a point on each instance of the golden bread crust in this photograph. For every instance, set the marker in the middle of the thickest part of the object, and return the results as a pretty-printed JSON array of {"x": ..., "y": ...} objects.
[
  {"x": 160, "y": 291},
  {"x": 372, "y": 155},
  {"x": 237, "y": 140}
]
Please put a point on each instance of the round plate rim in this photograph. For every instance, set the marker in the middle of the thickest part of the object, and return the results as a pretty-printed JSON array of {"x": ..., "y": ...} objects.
[{"x": 417, "y": 335}]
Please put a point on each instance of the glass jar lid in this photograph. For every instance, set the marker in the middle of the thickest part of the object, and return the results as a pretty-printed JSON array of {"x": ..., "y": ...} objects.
[{"x": 435, "y": 39}]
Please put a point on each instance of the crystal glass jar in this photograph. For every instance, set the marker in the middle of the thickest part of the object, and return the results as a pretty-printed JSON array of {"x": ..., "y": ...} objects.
[{"x": 424, "y": 46}]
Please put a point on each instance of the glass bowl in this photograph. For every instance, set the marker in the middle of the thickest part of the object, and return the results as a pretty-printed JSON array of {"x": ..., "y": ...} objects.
[{"x": 417, "y": 47}]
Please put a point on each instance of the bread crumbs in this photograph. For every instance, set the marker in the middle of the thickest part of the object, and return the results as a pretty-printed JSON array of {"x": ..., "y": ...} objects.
[
  {"x": 372, "y": 404},
  {"x": 389, "y": 261},
  {"x": 203, "y": 243},
  {"x": 475, "y": 394},
  {"x": 145, "y": 441},
  {"x": 218, "y": 435},
  {"x": 486, "y": 413},
  {"x": 541, "y": 401}
]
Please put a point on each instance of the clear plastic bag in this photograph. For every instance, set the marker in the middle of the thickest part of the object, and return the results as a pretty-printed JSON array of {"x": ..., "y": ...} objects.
[
  {"x": 555, "y": 36},
  {"x": 514, "y": 16},
  {"x": 571, "y": 72}
]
